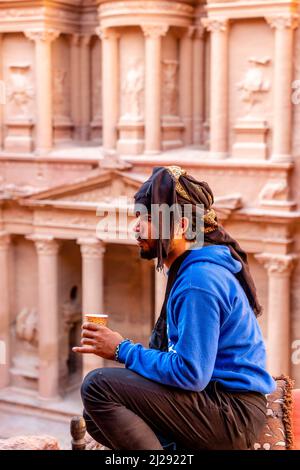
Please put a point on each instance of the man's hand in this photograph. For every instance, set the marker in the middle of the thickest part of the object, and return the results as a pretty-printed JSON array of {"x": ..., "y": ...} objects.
[{"x": 99, "y": 340}]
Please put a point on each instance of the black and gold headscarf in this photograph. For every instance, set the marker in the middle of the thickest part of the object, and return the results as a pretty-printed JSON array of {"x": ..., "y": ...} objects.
[{"x": 172, "y": 185}]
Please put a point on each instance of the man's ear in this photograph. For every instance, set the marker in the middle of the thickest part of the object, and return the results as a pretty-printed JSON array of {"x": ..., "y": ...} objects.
[
  {"x": 185, "y": 223},
  {"x": 181, "y": 227}
]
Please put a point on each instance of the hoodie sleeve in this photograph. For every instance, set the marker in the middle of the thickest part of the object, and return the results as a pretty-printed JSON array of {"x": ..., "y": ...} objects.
[{"x": 190, "y": 362}]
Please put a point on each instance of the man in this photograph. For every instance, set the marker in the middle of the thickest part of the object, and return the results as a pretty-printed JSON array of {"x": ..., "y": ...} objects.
[{"x": 201, "y": 384}]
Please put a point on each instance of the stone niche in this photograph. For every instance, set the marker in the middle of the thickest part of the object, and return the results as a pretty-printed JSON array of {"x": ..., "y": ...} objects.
[
  {"x": 61, "y": 86},
  {"x": 250, "y": 94},
  {"x": 96, "y": 123},
  {"x": 18, "y": 75},
  {"x": 172, "y": 127},
  {"x": 70, "y": 315},
  {"x": 132, "y": 92}
]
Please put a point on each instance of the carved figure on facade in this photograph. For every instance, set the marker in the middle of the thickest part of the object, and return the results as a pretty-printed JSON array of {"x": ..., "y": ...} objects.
[
  {"x": 20, "y": 91},
  {"x": 274, "y": 190},
  {"x": 25, "y": 361},
  {"x": 133, "y": 91},
  {"x": 60, "y": 92},
  {"x": 254, "y": 84},
  {"x": 170, "y": 87},
  {"x": 27, "y": 326}
]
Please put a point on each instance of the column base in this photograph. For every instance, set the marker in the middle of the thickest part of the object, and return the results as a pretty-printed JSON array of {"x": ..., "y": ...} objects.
[
  {"x": 172, "y": 132},
  {"x": 41, "y": 152},
  {"x": 85, "y": 133},
  {"x": 96, "y": 130},
  {"x": 198, "y": 131},
  {"x": 19, "y": 136},
  {"x": 250, "y": 139},
  {"x": 62, "y": 129},
  {"x": 76, "y": 133},
  {"x": 131, "y": 141},
  {"x": 282, "y": 158}
]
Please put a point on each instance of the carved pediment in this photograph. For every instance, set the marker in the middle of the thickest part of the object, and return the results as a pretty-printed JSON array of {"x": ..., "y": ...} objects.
[
  {"x": 107, "y": 187},
  {"x": 99, "y": 188}
]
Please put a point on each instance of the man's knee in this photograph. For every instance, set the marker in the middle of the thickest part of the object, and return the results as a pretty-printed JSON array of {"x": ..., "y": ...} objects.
[{"x": 92, "y": 384}]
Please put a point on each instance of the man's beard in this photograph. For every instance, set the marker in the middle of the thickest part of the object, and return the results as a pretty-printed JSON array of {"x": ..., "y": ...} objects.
[{"x": 149, "y": 253}]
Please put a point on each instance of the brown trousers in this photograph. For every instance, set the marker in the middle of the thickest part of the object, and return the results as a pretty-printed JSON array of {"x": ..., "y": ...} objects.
[{"x": 125, "y": 411}]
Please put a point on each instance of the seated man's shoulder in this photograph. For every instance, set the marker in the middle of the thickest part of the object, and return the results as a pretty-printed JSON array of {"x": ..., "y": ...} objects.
[{"x": 205, "y": 275}]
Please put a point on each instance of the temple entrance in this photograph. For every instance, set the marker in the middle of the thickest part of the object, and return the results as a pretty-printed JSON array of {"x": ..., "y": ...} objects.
[
  {"x": 70, "y": 320},
  {"x": 128, "y": 293}
]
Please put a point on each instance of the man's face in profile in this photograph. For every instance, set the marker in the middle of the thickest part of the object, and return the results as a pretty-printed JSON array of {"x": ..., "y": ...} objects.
[{"x": 145, "y": 236}]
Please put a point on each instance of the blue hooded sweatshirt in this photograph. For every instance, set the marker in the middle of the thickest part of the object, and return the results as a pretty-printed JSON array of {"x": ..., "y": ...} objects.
[{"x": 213, "y": 333}]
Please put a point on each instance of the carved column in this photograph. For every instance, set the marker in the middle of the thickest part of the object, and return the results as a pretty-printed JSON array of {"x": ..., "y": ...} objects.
[
  {"x": 279, "y": 269},
  {"x": 85, "y": 84},
  {"x": 161, "y": 280},
  {"x": 153, "y": 35},
  {"x": 75, "y": 84},
  {"x": 283, "y": 75},
  {"x": 219, "y": 86},
  {"x": 198, "y": 85},
  {"x": 110, "y": 88},
  {"x": 48, "y": 322},
  {"x": 4, "y": 310},
  {"x": 92, "y": 252},
  {"x": 2, "y": 93},
  {"x": 43, "y": 82},
  {"x": 186, "y": 84}
]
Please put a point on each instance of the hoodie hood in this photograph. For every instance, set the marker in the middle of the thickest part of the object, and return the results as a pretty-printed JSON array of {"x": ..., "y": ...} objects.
[{"x": 216, "y": 254}]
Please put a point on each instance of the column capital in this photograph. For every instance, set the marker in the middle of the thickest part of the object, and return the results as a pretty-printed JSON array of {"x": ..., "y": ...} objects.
[
  {"x": 85, "y": 39},
  {"x": 107, "y": 33},
  {"x": 91, "y": 247},
  {"x": 188, "y": 32},
  {"x": 155, "y": 30},
  {"x": 281, "y": 22},
  {"x": 277, "y": 264},
  {"x": 199, "y": 31},
  {"x": 215, "y": 25},
  {"x": 42, "y": 35},
  {"x": 75, "y": 39},
  {"x": 45, "y": 244},
  {"x": 5, "y": 240}
]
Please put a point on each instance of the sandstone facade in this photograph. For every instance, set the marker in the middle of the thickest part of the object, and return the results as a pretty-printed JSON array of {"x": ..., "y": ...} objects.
[{"x": 97, "y": 92}]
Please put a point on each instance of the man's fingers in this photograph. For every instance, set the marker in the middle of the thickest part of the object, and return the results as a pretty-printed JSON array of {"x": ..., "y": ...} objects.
[
  {"x": 89, "y": 341},
  {"x": 91, "y": 326},
  {"x": 84, "y": 349},
  {"x": 88, "y": 334}
]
